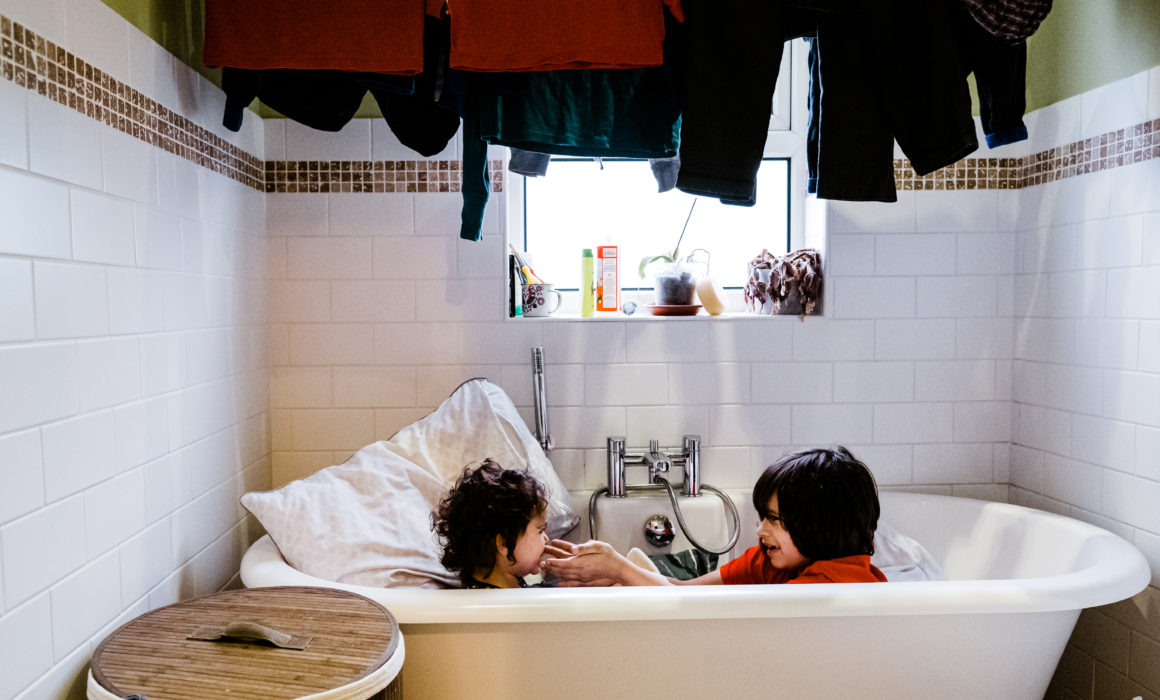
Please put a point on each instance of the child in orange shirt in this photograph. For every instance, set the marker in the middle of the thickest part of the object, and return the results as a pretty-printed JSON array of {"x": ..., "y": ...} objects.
[
  {"x": 492, "y": 526},
  {"x": 818, "y": 508}
]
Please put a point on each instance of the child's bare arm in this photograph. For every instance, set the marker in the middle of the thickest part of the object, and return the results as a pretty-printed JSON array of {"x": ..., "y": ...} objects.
[{"x": 596, "y": 563}]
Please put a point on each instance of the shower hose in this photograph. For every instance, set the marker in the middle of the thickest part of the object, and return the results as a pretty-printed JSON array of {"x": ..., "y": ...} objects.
[{"x": 660, "y": 482}]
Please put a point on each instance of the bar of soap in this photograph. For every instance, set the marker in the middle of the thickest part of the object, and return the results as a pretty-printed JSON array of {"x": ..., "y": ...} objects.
[{"x": 711, "y": 296}]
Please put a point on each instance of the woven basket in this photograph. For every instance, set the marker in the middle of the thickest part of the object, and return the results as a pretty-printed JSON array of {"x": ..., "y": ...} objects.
[{"x": 272, "y": 644}]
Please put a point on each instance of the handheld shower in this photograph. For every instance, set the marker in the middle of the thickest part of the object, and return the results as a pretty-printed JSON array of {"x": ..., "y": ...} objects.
[{"x": 540, "y": 401}]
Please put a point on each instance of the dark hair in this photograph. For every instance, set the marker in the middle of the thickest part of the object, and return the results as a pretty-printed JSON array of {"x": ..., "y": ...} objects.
[
  {"x": 486, "y": 501},
  {"x": 827, "y": 501}
]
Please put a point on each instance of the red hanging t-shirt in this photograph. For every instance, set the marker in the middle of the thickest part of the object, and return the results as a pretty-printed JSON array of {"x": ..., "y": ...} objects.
[
  {"x": 535, "y": 35},
  {"x": 754, "y": 567},
  {"x": 375, "y": 36}
]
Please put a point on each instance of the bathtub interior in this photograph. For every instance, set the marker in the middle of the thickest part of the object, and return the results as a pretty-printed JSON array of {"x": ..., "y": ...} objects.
[{"x": 989, "y": 540}]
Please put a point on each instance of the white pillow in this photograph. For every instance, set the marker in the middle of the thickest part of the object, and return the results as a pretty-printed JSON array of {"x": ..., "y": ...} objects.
[
  {"x": 368, "y": 521},
  {"x": 478, "y": 421},
  {"x": 365, "y": 522}
]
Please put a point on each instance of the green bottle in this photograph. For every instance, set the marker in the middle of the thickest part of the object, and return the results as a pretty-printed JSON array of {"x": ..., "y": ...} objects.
[{"x": 587, "y": 285}]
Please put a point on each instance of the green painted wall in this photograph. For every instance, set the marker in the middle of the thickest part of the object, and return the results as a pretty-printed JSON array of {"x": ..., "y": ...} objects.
[
  {"x": 1081, "y": 45},
  {"x": 178, "y": 25}
]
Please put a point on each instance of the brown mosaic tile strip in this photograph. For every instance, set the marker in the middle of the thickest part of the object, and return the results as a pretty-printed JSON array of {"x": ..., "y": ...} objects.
[
  {"x": 32, "y": 62},
  {"x": 379, "y": 176},
  {"x": 1113, "y": 149}
]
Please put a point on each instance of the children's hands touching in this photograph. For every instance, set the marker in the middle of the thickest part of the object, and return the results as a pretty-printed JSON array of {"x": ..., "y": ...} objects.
[
  {"x": 560, "y": 549},
  {"x": 593, "y": 563}
]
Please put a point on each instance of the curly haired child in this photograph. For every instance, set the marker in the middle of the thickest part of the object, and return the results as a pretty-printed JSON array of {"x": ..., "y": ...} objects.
[{"x": 492, "y": 526}]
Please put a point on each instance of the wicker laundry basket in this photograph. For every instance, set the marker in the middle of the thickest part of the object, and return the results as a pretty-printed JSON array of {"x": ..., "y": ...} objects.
[{"x": 271, "y": 643}]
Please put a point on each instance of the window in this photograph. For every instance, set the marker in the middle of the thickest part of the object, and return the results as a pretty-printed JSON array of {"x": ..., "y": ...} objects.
[{"x": 582, "y": 203}]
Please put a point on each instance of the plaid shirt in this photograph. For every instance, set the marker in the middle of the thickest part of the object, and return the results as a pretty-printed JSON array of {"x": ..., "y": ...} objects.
[{"x": 1010, "y": 20}]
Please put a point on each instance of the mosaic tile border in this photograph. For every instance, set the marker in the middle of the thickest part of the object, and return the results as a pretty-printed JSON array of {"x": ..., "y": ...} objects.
[
  {"x": 32, "y": 62},
  {"x": 1113, "y": 149},
  {"x": 379, "y": 176}
]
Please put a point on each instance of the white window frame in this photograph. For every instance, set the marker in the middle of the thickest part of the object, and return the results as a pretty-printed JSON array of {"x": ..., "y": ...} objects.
[{"x": 786, "y": 138}]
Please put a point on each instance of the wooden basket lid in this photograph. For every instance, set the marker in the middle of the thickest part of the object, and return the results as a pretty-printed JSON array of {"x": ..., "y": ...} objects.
[{"x": 350, "y": 637}]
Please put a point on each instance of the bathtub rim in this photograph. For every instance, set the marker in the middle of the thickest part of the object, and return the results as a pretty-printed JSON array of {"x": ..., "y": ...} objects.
[{"x": 1118, "y": 571}]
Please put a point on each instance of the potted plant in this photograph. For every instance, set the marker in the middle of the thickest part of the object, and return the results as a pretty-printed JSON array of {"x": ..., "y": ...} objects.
[{"x": 675, "y": 282}]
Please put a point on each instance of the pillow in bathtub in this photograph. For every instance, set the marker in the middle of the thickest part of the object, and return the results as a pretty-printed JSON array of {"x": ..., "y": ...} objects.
[
  {"x": 478, "y": 421},
  {"x": 365, "y": 522},
  {"x": 901, "y": 558}
]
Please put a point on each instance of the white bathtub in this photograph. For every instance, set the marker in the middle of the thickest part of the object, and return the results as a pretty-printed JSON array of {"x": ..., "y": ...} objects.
[{"x": 996, "y": 629}]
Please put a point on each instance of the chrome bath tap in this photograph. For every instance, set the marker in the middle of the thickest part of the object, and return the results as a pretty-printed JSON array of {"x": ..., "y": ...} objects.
[{"x": 658, "y": 460}]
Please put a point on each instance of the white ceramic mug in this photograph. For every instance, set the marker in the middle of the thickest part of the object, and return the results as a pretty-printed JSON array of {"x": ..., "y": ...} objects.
[{"x": 537, "y": 299}]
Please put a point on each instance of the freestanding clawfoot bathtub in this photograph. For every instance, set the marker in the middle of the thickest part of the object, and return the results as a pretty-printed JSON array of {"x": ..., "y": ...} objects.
[{"x": 1017, "y": 581}]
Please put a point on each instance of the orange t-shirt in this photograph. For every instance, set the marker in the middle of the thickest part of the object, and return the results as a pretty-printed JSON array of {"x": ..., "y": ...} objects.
[
  {"x": 377, "y": 36},
  {"x": 535, "y": 35},
  {"x": 754, "y": 567}
]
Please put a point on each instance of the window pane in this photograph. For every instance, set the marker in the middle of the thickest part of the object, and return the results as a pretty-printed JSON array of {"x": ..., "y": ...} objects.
[{"x": 578, "y": 205}]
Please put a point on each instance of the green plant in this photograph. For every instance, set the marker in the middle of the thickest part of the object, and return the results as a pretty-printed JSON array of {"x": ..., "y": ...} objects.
[{"x": 668, "y": 257}]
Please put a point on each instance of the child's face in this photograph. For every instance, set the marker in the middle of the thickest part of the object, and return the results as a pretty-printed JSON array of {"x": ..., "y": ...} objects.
[
  {"x": 776, "y": 542},
  {"x": 530, "y": 547}
]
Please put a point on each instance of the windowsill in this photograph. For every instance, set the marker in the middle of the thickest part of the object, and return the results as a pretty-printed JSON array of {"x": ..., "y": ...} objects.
[{"x": 646, "y": 316}]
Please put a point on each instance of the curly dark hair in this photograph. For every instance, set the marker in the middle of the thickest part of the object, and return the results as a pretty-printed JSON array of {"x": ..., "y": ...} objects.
[
  {"x": 827, "y": 500},
  {"x": 486, "y": 501}
]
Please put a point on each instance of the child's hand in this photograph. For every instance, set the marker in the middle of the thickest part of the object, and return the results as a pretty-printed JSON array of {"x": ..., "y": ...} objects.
[
  {"x": 593, "y": 563},
  {"x": 560, "y": 549}
]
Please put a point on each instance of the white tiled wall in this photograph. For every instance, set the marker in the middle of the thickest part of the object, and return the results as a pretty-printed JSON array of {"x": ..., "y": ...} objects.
[
  {"x": 133, "y": 380},
  {"x": 1086, "y": 382},
  {"x": 988, "y": 343},
  {"x": 378, "y": 311}
]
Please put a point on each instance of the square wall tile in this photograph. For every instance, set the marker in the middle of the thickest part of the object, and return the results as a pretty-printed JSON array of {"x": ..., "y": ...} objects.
[
  {"x": 130, "y": 167},
  {"x": 22, "y": 473},
  {"x": 40, "y": 384},
  {"x": 64, "y": 144},
  {"x": 353, "y": 142},
  {"x": 71, "y": 300},
  {"x": 102, "y": 229},
  {"x": 868, "y": 382},
  {"x": 36, "y": 216},
  {"x": 14, "y": 125},
  {"x": 58, "y": 528},
  {"x": 913, "y": 423},
  {"x": 78, "y": 453},
  {"x": 1115, "y": 105},
  {"x": 114, "y": 511},
  {"x": 96, "y": 33},
  {"x": 17, "y": 316},
  {"x": 330, "y": 258},
  {"x": 25, "y": 645},
  {"x": 108, "y": 372},
  {"x": 914, "y": 254},
  {"x": 835, "y": 423}
]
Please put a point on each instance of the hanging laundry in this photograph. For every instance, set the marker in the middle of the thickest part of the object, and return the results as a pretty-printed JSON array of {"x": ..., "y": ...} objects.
[
  {"x": 381, "y": 36},
  {"x": 1000, "y": 68},
  {"x": 632, "y": 113},
  {"x": 734, "y": 52},
  {"x": 532, "y": 164},
  {"x": 328, "y": 99},
  {"x": 1009, "y": 20},
  {"x": 539, "y": 35},
  {"x": 880, "y": 70}
]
